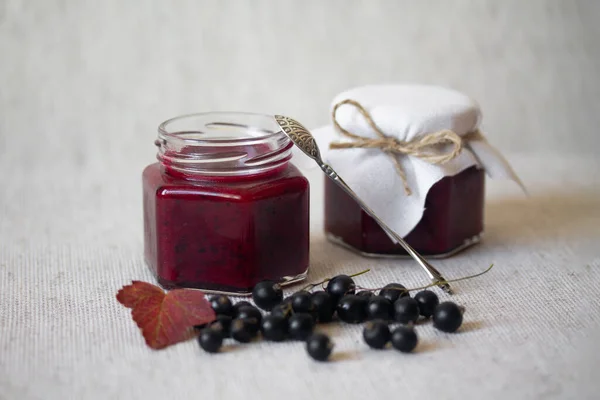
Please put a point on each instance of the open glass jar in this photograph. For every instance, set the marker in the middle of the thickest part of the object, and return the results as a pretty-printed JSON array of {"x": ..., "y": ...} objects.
[{"x": 224, "y": 208}]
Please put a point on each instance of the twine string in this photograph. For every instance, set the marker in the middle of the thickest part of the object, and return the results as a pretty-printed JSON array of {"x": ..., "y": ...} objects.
[{"x": 425, "y": 147}]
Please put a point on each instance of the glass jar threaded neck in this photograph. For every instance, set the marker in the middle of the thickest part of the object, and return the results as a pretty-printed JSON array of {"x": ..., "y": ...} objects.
[{"x": 222, "y": 144}]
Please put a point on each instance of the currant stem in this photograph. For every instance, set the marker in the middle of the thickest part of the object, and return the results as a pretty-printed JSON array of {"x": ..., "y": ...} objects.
[
  {"x": 464, "y": 278},
  {"x": 311, "y": 286},
  {"x": 358, "y": 273}
]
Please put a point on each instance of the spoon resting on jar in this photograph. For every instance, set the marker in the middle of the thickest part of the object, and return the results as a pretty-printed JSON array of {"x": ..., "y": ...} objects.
[{"x": 306, "y": 142}]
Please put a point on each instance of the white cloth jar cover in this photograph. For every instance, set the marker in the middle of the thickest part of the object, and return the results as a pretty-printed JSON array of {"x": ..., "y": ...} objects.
[{"x": 405, "y": 112}]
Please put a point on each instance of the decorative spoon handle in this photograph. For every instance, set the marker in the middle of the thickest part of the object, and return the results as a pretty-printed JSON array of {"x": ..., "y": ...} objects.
[
  {"x": 433, "y": 273},
  {"x": 306, "y": 142}
]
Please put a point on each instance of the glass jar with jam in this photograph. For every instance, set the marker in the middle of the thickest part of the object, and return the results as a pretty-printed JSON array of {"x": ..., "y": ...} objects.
[
  {"x": 224, "y": 208},
  {"x": 373, "y": 130}
]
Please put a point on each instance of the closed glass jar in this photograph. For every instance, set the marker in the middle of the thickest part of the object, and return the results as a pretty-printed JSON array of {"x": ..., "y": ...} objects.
[
  {"x": 224, "y": 208},
  {"x": 452, "y": 219}
]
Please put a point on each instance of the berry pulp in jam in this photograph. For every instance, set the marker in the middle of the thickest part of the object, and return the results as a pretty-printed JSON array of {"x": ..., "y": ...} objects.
[
  {"x": 226, "y": 235},
  {"x": 453, "y": 216}
]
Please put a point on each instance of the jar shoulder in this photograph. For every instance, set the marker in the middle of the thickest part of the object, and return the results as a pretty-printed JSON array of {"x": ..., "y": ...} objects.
[{"x": 288, "y": 180}]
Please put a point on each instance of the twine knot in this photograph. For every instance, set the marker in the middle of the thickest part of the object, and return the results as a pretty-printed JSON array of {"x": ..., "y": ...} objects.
[{"x": 425, "y": 147}]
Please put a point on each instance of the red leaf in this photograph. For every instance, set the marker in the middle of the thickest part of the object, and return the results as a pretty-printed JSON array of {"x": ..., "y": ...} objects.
[
  {"x": 165, "y": 319},
  {"x": 130, "y": 295}
]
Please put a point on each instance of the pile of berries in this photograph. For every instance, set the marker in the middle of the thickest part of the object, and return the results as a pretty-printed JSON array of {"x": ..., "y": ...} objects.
[{"x": 295, "y": 317}]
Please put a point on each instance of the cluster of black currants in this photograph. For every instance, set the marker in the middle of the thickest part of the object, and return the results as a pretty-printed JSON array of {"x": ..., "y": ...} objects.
[
  {"x": 240, "y": 322},
  {"x": 292, "y": 318},
  {"x": 392, "y": 304},
  {"x": 295, "y": 317}
]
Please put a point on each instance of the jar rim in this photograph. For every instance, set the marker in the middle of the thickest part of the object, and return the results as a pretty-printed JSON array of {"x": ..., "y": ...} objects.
[
  {"x": 222, "y": 144},
  {"x": 259, "y": 133}
]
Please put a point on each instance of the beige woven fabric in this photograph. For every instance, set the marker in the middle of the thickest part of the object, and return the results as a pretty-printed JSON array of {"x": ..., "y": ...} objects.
[
  {"x": 83, "y": 85},
  {"x": 70, "y": 239}
]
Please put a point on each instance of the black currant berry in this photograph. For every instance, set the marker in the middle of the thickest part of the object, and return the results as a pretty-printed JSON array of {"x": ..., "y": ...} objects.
[
  {"x": 376, "y": 334},
  {"x": 283, "y": 309},
  {"x": 324, "y": 306},
  {"x": 239, "y": 305},
  {"x": 222, "y": 324},
  {"x": 404, "y": 338},
  {"x": 267, "y": 294},
  {"x": 300, "y": 326},
  {"x": 252, "y": 315},
  {"x": 341, "y": 285},
  {"x": 302, "y": 302},
  {"x": 249, "y": 312},
  {"x": 448, "y": 317},
  {"x": 406, "y": 310},
  {"x": 243, "y": 330},
  {"x": 210, "y": 340},
  {"x": 427, "y": 301},
  {"x": 393, "y": 291},
  {"x": 274, "y": 327},
  {"x": 221, "y": 305},
  {"x": 352, "y": 308},
  {"x": 319, "y": 346},
  {"x": 379, "y": 307}
]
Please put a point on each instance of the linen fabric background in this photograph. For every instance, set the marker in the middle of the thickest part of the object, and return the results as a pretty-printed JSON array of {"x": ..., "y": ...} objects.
[{"x": 84, "y": 84}]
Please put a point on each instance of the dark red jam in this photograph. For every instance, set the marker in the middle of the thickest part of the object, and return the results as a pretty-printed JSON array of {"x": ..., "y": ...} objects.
[
  {"x": 226, "y": 232},
  {"x": 453, "y": 218}
]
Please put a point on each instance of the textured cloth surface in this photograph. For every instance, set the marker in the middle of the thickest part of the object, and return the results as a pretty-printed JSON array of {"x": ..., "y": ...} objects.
[
  {"x": 71, "y": 239},
  {"x": 84, "y": 84},
  {"x": 101, "y": 74}
]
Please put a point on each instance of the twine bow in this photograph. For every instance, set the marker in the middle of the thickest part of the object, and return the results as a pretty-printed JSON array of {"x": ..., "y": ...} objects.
[{"x": 422, "y": 147}]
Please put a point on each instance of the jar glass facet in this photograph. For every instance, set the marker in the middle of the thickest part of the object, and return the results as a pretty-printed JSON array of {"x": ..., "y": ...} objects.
[
  {"x": 452, "y": 219},
  {"x": 224, "y": 208}
]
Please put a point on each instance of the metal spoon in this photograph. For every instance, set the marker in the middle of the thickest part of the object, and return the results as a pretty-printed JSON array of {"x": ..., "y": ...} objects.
[{"x": 306, "y": 142}]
